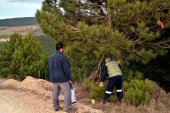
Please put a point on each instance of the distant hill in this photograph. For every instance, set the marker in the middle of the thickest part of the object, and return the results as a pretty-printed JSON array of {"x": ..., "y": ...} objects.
[{"x": 18, "y": 21}]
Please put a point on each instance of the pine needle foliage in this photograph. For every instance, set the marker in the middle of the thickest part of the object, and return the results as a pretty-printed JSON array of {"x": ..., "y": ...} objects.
[
  {"x": 22, "y": 56},
  {"x": 128, "y": 29}
]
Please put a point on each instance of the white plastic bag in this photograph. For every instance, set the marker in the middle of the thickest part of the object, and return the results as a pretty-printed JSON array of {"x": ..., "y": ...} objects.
[{"x": 73, "y": 95}]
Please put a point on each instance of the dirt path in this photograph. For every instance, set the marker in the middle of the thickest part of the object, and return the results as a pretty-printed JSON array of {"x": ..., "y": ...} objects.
[
  {"x": 16, "y": 97},
  {"x": 4, "y": 39},
  {"x": 9, "y": 105},
  {"x": 16, "y": 101}
]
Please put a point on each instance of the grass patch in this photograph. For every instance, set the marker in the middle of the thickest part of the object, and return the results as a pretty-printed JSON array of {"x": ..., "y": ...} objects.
[
  {"x": 4, "y": 36},
  {"x": 18, "y": 21}
]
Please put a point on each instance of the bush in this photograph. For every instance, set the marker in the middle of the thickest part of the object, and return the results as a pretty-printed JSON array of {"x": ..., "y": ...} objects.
[
  {"x": 95, "y": 91},
  {"x": 22, "y": 56},
  {"x": 138, "y": 91}
]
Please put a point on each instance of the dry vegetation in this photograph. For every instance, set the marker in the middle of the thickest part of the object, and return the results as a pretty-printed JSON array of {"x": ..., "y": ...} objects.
[{"x": 160, "y": 103}]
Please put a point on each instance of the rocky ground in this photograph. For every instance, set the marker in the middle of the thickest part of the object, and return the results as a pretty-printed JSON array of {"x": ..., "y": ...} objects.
[{"x": 32, "y": 96}]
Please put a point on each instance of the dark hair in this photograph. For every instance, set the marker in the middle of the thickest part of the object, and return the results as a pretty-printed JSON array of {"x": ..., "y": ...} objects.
[{"x": 59, "y": 46}]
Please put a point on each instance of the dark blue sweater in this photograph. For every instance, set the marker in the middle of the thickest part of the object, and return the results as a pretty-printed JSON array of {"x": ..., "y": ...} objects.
[{"x": 59, "y": 68}]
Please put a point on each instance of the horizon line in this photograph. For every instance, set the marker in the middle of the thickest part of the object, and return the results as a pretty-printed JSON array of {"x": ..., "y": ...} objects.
[{"x": 15, "y": 17}]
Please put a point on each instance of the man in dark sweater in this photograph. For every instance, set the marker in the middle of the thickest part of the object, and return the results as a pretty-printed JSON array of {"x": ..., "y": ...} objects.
[{"x": 59, "y": 70}]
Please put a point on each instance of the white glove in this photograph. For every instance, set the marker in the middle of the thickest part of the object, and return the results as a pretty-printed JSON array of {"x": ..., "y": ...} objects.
[{"x": 101, "y": 84}]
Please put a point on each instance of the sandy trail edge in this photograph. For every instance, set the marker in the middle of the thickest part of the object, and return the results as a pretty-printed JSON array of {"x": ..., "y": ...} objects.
[{"x": 13, "y": 101}]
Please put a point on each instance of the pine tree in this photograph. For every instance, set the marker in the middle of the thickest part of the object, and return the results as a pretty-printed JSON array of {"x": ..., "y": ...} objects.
[
  {"x": 6, "y": 54},
  {"x": 128, "y": 29},
  {"x": 22, "y": 56}
]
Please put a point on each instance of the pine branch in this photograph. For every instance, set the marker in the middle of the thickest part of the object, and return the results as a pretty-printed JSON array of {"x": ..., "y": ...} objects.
[
  {"x": 73, "y": 29},
  {"x": 90, "y": 5},
  {"x": 95, "y": 71}
]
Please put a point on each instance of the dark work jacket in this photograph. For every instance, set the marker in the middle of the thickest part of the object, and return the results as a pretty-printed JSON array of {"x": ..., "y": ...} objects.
[
  {"x": 104, "y": 73},
  {"x": 59, "y": 68}
]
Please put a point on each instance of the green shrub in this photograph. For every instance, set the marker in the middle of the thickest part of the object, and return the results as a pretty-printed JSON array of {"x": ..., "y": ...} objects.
[
  {"x": 138, "y": 91},
  {"x": 96, "y": 92},
  {"x": 130, "y": 74},
  {"x": 22, "y": 56}
]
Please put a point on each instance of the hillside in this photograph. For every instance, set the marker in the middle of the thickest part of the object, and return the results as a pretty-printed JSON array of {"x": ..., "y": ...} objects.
[
  {"x": 8, "y": 30},
  {"x": 18, "y": 21}
]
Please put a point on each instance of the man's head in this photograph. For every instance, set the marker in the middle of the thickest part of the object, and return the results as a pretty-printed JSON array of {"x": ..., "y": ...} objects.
[
  {"x": 107, "y": 59},
  {"x": 59, "y": 47}
]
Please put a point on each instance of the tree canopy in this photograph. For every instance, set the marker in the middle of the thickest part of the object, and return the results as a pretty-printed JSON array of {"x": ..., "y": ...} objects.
[{"x": 129, "y": 29}]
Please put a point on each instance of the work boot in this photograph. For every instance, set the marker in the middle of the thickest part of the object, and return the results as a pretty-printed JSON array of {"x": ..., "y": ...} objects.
[
  {"x": 120, "y": 96},
  {"x": 106, "y": 98},
  {"x": 58, "y": 109}
]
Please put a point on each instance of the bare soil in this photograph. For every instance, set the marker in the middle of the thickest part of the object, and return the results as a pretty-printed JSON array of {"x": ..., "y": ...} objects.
[{"x": 32, "y": 96}]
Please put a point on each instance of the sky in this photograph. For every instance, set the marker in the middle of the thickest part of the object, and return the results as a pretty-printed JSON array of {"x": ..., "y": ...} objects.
[{"x": 19, "y": 8}]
